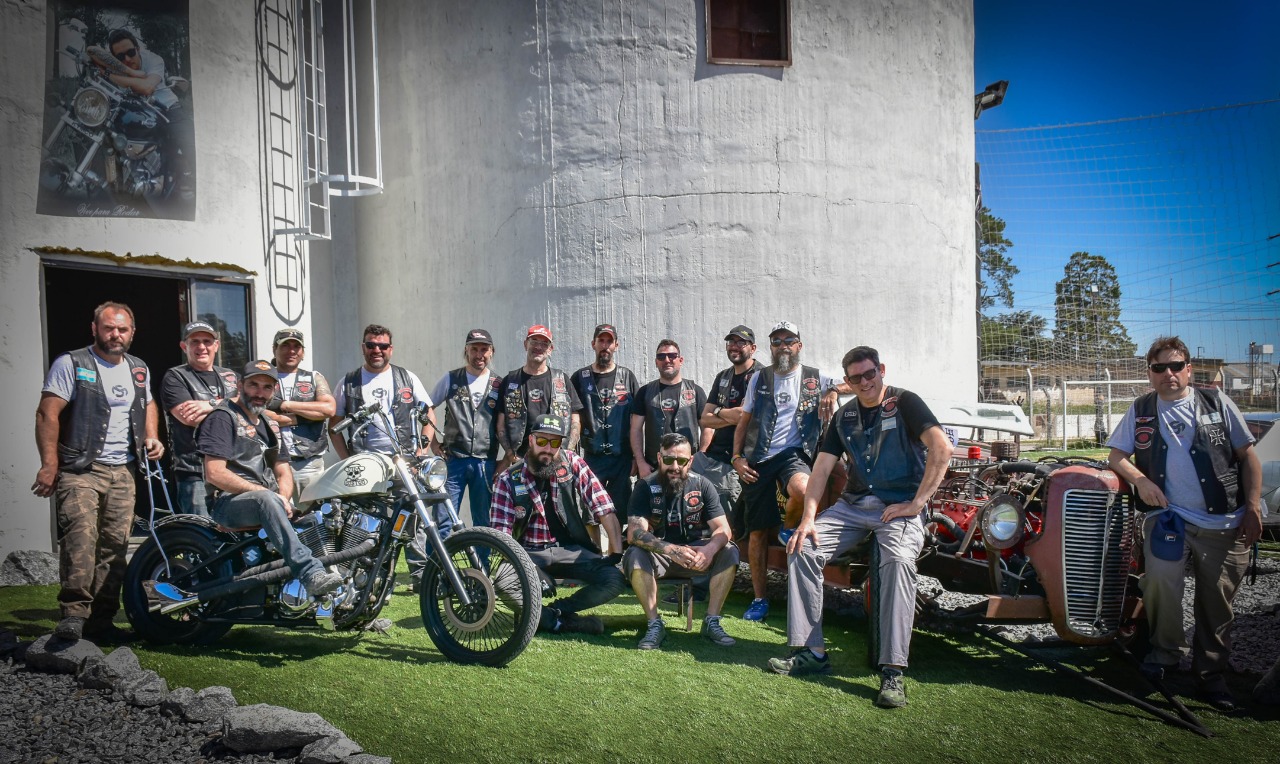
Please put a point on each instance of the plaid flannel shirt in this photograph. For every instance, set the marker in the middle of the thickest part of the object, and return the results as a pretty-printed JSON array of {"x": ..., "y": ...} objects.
[{"x": 502, "y": 514}]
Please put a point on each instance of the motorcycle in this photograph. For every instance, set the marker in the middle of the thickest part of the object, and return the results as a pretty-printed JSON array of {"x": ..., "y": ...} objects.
[
  {"x": 108, "y": 139},
  {"x": 480, "y": 595}
]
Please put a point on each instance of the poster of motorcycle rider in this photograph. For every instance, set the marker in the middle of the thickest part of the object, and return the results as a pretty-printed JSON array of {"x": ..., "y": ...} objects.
[{"x": 119, "y": 130}]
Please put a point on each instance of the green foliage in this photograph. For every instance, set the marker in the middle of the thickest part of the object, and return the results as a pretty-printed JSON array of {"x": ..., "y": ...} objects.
[
  {"x": 1087, "y": 311},
  {"x": 1017, "y": 336},
  {"x": 998, "y": 269}
]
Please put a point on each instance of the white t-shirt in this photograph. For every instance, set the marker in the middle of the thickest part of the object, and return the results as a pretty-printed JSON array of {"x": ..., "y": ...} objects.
[
  {"x": 120, "y": 388},
  {"x": 786, "y": 395},
  {"x": 478, "y": 385},
  {"x": 379, "y": 387}
]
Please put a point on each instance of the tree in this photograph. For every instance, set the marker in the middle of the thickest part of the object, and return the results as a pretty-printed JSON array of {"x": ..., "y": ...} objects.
[
  {"x": 997, "y": 269},
  {"x": 1017, "y": 336},
  {"x": 1087, "y": 311}
]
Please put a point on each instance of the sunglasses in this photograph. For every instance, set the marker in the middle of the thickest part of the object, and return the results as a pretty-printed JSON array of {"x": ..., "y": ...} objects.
[
  {"x": 1173, "y": 366},
  {"x": 667, "y": 356},
  {"x": 130, "y": 53},
  {"x": 377, "y": 345},
  {"x": 670, "y": 460},
  {"x": 544, "y": 442},
  {"x": 779, "y": 341},
  {"x": 865, "y": 376}
]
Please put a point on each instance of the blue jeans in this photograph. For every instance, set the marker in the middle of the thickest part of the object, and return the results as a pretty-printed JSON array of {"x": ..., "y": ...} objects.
[
  {"x": 191, "y": 495},
  {"x": 266, "y": 508},
  {"x": 474, "y": 475}
]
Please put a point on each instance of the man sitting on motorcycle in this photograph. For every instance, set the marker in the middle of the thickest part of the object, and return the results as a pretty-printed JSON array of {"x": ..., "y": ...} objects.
[
  {"x": 558, "y": 541},
  {"x": 250, "y": 486}
]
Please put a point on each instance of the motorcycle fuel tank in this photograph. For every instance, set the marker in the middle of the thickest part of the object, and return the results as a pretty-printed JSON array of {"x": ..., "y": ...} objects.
[{"x": 353, "y": 476}]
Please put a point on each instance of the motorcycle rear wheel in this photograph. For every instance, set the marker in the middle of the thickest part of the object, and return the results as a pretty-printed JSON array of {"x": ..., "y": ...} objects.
[
  {"x": 506, "y": 599},
  {"x": 186, "y": 548}
]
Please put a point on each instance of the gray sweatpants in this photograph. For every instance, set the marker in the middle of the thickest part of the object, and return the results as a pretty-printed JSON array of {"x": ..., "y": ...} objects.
[{"x": 841, "y": 528}]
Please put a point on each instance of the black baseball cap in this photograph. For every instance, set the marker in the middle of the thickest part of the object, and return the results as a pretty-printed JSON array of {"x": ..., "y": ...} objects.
[
  {"x": 478, "y": 337},
  {"x": 284, "y": 335},
  {"x": 259, "y": 368},
  {"x": 198, "y": 326},
  {"x": 741, "y": 332},
  {"x": 550, "y": 424},
  {"x": 605, "y": 329}
]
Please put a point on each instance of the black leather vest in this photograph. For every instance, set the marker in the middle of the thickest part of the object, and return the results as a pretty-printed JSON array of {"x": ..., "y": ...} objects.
[
  {"x": 470, "y": 431},
  {"x": 309, "y": 435},
  {"x": 516, "y": 405},
  {"x": 729, "y": 389},
  {"x": 182, "y": 439},
  {"x": 401, "y": 403},
  {"x": 764, "y": 419},
  {"x": 82, "y": 432},
  {"x": 689, "y": 514},
  {"x": 251, "y": 459},
  {"x": 607, "y": 429},
  {"x": 566, "y": 502},
  {"x": 686, "y": 419},
  {"x": 1211, "y": 452},
  {"x": 885, "y": 460}
]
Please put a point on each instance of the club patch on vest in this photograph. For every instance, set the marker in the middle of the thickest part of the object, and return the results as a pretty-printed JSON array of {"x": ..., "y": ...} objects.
[
  {"x": 688, "y": 396},
  {"x": 1143, "y": 436},
  {"x": 693, "y": 499},
  {"x": 230, "y": 378},
  {"x": 889, "y": 406},
  {"x": 1216, "y": 436},
  {"x": 139, "y": 375},
  {"x": 562, "y": 474},
  {"x": 620, "y": 393},
  {"x": 558, "y": 383},
  {"x": 406, "y": 394},
  {"x": 303, "y": 388},
  {"x": 655, "y": 489},
  {"x": 1144, "y": 419},
  {"x": 811, "y": 384},
  {"x": 86, "y": 375}
]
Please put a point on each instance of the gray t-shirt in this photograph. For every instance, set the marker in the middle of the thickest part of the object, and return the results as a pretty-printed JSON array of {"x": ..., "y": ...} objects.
[
  {"x": 117, "y": 383},
  {"x": 1177, "y": 420}
]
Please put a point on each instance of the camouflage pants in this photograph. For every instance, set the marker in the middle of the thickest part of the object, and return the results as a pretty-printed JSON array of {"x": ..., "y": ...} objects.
[{"x": 94, "y": 512}]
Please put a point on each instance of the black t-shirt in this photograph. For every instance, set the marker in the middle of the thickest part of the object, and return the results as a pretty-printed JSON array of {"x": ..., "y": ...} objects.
[
  {"x": 729, "y": 397},
  {"x": 913, "y": 410},
  {"x": 669, "y": 395},
  {"x": 217, "y": 434},
  {"x": 708, "y": 495},
  {"x": 174, "y": 391},
  {"x": 538, "y": 389}
]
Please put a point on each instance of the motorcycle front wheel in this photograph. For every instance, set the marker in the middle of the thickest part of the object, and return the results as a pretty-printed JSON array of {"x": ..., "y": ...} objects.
[
  {"x": 506, "y": 599},
  {"x": 186, "y": 549}
]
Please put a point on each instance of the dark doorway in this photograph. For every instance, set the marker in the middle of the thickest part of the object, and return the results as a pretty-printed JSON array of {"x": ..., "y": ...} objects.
[{"x": 159, "y": 309}]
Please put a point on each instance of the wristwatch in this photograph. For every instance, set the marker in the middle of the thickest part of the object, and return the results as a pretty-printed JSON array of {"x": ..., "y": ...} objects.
[{"x": 718, "y": 410}]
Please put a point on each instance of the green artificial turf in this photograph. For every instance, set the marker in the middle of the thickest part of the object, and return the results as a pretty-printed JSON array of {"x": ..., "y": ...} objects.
[{"x": 597, "y": 699}]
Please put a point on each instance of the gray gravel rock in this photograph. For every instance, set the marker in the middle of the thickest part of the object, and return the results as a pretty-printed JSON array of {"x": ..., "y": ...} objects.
[
  {"x": 108, "y": 672},
  {"x": 209, "y": 705},
  {"x": 261, "y": 727},
  {"x": 58, "y": 656},
  {"x": 177, "y": 700},
  {"x": 329, "y": 750},
  {"x": 28, "y": 567},
  {"x": 143, "y": 689}
]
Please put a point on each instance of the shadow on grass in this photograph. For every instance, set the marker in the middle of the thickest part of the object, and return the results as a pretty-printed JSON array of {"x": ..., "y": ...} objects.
[{"x": 32, "y": 622}]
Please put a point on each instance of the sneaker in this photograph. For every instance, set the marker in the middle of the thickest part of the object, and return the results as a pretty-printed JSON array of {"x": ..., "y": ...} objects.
[
  {"x": 108, "y": 634},
  {"x": 712, "y": 630},
  {"x": 757, "y": 611},
  {"x": 580, "y": 624},
  {"x": 801, "y": 662},
  {"x": 653, "y": 635},
  {"x": 70, "y": 628},
  {"x": 322, "y": 583},
  {"x": 893, "y": 690},
  {"x": 1221, "y": 700},
  {"x": 672, "y": 599}
]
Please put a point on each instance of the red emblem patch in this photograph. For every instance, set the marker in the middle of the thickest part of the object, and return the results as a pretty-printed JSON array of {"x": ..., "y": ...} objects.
[
  {"x": 139, "y": 375},
  {"x": 688, "y": 396},
  {"x": 303, "y": 388},
  {"x": 559, "y": 384},
  {"x": 562, "y": 473},
  {"x": 406, "y": 394},
  {"x": 811, "y": 384},
  {"x": 889, "y": 406},
  {"x": 230, "y": 378},
  {"x": 693, "y": 499},
  {"x": 1143, "y": 436}
]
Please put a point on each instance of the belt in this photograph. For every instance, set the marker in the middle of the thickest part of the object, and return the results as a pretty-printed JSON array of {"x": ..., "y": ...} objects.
[{"x": 541, "y": 547}]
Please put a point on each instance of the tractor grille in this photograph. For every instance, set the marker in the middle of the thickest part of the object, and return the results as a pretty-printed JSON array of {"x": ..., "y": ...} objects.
[{"x": 1097, "y": 547}]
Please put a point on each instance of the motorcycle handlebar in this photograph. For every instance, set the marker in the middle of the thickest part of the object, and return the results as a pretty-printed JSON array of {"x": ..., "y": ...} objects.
[{"x": 358, "y": 416}]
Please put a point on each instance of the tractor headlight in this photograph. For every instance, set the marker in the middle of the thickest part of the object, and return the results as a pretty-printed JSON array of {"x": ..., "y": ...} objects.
[
  {"x": 90, "y": 107},
  {"x": 432, "y": 472},
  {"x": 1002, "y": 521}
]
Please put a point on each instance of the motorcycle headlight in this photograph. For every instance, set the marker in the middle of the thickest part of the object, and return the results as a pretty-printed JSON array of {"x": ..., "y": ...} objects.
[
  {"x": 432, "y": 474},
  {"x": 90, "y": 107},
  {"x": 1002, "y": 521}
]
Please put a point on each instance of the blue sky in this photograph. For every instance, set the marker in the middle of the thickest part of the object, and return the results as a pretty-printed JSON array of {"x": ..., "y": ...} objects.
[{"x": 1181, "y": 205}]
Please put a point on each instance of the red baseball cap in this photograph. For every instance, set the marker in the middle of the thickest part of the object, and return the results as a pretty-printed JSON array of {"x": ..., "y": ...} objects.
[{"x": 538, "y": 330}]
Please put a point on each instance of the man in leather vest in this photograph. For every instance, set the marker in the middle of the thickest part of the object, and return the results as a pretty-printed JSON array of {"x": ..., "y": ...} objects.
[
  {"x": 721, "y": 414},
  {"x": 669, "y": 403},
  {"x": 188, "y": 393},
  {"x": 249, "y": 483},
  {"x": 677, "y": 528},
  {"x": 95, "y": 423},
  {"x": 402, "y": 395},
  {"x": 1197, "y": 477},
  {"x": 469, "y": 396},
  {"x": 606, "y": 390},
  {"x": 548, "y": 503},
  {"x": 884, "y": 433},
  {"x": 774, "y": 445},
  {"x": 531, "y": 391},
  {"x": 301, "y": 407}
]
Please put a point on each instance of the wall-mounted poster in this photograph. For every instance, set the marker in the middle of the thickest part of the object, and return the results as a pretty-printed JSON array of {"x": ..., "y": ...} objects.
[{"x": 119, "y": 132}]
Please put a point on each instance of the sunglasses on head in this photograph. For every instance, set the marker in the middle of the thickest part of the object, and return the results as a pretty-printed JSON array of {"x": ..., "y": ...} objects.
[
  {"x": 1173, "y": 366},
  {"x": 377, "y": 345},
  {"x": 670, "y": 460},
  {"x": 554, "y": 442},
  {"x": 779, "y": 341},
  {"x": 667, "y": 356},
  {"x": 865, "y": 376}
]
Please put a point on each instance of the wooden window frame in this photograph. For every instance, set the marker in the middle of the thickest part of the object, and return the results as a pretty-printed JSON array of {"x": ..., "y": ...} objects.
[{"x": 784, "y": 7}]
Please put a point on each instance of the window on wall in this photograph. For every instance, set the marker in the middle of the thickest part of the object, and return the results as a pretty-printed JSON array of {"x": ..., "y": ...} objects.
[
  {"x": 749, "y": 32},
  {"x": 225, "y": 306}
]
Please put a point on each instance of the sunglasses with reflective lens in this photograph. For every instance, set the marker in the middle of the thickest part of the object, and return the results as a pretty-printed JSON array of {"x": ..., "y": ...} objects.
[
  {"x": 670, "y": 460},
  {"x": 377, "y": 345},
  {"x": 544, "y": 442},
  {"x": 788, "y": 341},
  {"x": 1173, "y": 366},
  {"x": 130, "y": 53},
  {"x": 667, "y": 356},
  {"x": 865, "y": 376}
]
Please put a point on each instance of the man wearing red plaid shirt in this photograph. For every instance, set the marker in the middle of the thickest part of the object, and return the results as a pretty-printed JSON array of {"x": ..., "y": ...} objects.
[{"x": 559, "y": 541}]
